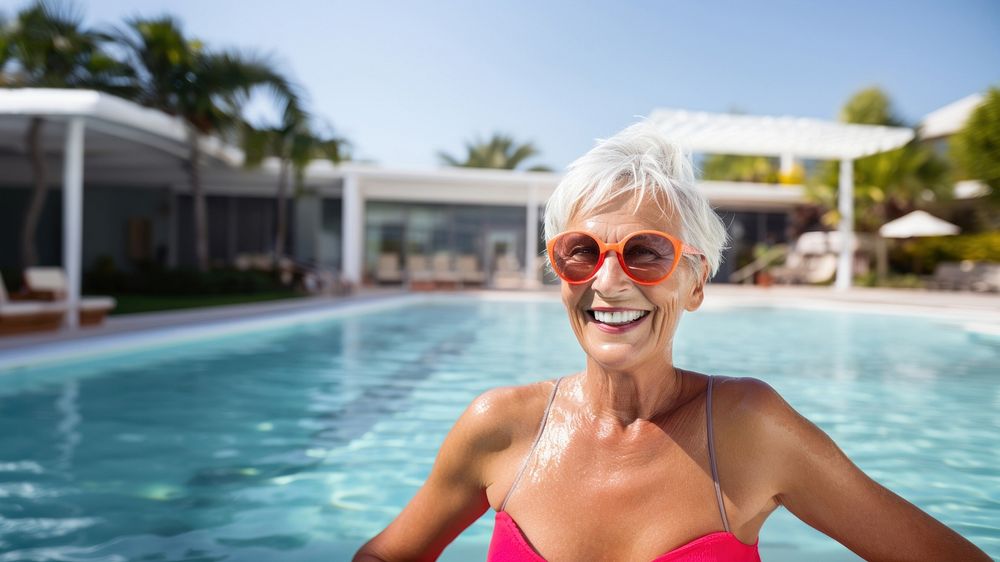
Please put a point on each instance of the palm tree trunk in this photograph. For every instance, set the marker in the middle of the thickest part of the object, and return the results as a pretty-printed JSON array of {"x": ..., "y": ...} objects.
[
  {"x": 282, "y": 220},
  {"x": 198, "y": 198},
  {"x": 29, "y": 254}
]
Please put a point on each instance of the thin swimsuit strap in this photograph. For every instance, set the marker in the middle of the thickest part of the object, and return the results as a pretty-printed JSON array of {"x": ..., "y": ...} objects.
[
  {"x": 538, "y": 437},
  {"x": 711, "y": 456},
  {"x": 711, "y": 451}
]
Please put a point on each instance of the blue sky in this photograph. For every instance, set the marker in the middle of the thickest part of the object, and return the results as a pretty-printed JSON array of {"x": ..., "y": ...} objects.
[{"x": 403, "y": 80}]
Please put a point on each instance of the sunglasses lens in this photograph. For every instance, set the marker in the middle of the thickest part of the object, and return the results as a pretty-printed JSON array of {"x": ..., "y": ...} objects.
[
  {"x": 575, "y": 256},
  {"x": 649, "y": 257}
]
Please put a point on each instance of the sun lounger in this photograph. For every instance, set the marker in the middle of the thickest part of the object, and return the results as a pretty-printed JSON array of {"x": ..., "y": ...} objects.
[
  {"x": 508, "y": 273},
  {"x": 806, "y": 268},
  {"x": 966, "y": 276},
  {"x": 813, "y": 259},
  {"x": 442, "y": 272},
  {"x": 49, "y": 283},
  {"x": 387, "y": 270},
  {"x": 468, "y": 270},
  {"x": 28, "y": 316},
  {"x": 418, "y": 272}
]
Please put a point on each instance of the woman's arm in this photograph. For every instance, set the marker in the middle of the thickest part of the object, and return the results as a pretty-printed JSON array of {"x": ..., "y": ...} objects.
[
  {"x": 453, "y": 496},
  {"x": 816, "y": 481}
]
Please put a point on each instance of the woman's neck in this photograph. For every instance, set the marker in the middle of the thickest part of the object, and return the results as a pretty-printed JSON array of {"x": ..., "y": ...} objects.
[{"x": 647, "y": 392}]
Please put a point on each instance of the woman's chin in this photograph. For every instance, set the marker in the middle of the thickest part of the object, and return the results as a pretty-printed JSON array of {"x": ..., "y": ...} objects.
[{"x": 614, "y": 355}]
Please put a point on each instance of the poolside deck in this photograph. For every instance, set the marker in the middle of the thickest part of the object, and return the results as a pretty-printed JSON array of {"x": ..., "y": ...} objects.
[{"x": 968, "y": 307}]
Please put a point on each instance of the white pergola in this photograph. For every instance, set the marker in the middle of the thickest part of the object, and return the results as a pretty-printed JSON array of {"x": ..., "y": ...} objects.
[
  {"x": 788, "y": 138},
  {"x": 124, "y": 142}
]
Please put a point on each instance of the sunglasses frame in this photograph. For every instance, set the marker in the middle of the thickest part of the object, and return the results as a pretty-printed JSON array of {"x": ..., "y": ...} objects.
[{"x": 604, "y": 247}]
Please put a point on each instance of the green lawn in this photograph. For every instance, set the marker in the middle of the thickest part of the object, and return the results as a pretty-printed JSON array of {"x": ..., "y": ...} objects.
[{"x": 131, "y": 304}]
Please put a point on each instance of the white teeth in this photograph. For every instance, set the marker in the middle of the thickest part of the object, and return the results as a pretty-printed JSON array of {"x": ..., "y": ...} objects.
[{"x": 618, "y": 317}]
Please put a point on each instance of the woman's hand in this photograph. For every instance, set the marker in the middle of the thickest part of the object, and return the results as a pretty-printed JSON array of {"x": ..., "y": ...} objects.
[
  {"x": 816, "y": 481},
  {"x": 454, "y": 495}
]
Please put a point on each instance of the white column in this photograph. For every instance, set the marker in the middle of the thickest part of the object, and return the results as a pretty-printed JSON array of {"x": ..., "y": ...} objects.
[
  {"x": 531, "y": 239},
  {"x": 73, "y": 217},
  {"x": 353, "y": 220},
  {"x": 174, "y": 206},
  {"x": 845, "y": 204},
  {"x": 787, "y": 163}
]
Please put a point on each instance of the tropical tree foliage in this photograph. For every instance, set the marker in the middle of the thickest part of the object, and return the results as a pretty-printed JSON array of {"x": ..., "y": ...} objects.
[
  {"x": 294, "y": 145},
  {"x": 870, "y": 106},
  {"x": 729, "y": 167},
  {"x": 500, "y": 152},
  {"x": 177, "y": 75},
  {"x": 976, "y": 147},
  {"x": 886, "y": 185},
  {"x": 158, "y": 65},
  {"x": 6, "y": 29},
  {"x": 46, "y": 46}
]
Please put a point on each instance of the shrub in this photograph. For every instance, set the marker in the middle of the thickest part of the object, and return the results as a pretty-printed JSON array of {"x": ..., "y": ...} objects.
[
  {"x": 155, "y": 280},
  {"x": 921, "y": 255}
]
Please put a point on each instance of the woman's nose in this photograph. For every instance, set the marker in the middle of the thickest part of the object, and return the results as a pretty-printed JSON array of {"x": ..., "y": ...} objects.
[{"x": 610, "y": 276}]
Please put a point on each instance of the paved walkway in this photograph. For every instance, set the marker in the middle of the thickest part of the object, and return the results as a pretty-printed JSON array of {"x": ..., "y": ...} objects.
[
  {"x": 984, "y": 307},
  {"x": 972, "y": 307},
  {"x": 132, "y": 323}
]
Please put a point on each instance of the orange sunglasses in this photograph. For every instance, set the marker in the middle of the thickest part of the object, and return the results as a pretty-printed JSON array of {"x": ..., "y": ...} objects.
[{"x": 648, "y": 257}]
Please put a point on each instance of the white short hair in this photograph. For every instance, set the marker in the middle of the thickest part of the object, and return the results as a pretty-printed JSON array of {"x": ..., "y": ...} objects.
[{"x": 639, "y": 159}]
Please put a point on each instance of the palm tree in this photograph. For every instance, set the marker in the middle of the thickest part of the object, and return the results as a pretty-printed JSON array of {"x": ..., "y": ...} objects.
[
  {"x": 48, "y": 47},
  {"x": 294, "y": 145},
  {"x": 206, "y": 89},
  {"x": 886, "y": 185},
  {"x": 499, "y": 152}
]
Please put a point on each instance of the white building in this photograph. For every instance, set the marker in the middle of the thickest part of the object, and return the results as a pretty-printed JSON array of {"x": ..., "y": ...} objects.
[{"x": 126, "y": 195}]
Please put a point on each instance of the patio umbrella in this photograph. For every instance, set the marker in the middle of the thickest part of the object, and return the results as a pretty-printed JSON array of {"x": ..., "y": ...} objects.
[
  {"x": 916, "y": 224},
  {"x": 913, "y": 225}
]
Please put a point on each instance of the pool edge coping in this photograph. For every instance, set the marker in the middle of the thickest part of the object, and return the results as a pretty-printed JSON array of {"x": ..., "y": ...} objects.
[{"x": 113, "y": 343}]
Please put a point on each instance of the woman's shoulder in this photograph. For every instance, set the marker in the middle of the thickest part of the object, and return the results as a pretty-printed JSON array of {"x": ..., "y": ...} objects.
[
  {"x": 752, "y": 404},
  {"x": 752, "y": 411},
  {"x": 501, "y": 416}
]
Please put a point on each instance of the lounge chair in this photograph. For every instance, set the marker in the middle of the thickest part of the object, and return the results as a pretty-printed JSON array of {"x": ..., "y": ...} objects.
[
  {"x": 442, "y": 272},
  {"x": 508, "y": 273},
  {"x": 469, "y": 272},
  {"x": 418, "y": 272},
  {"x": 387, "y": 270},
  {"x": 50, "y": 283},
  {"x": 966, "y": 276},
  {"x": 806, "y": 268},
  {"x": 28, "y": 316},
  {"x": 813, "y": 259}
]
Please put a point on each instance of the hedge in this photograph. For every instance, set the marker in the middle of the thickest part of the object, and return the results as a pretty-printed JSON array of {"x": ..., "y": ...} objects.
[{"x": 921, "y": 255}]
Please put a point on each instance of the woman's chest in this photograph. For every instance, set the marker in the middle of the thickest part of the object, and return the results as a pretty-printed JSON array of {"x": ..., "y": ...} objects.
[{"x": 585, "y": 504}]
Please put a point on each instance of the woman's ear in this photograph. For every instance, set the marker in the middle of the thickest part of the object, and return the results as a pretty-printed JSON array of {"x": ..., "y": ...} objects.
[{"x": 697, "y": 294}]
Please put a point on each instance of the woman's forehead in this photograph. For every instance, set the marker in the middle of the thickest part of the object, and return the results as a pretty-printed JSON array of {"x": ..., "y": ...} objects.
[{"x": 625, "y": 213}]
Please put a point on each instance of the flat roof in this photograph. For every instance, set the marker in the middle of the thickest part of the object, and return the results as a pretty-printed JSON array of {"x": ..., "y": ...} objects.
[
  {"x": 130, "y": 145},
  {"x": 111, "y": 115},
  {"x": 757, "y": 135},
  {"x": 949, "y": 119}
]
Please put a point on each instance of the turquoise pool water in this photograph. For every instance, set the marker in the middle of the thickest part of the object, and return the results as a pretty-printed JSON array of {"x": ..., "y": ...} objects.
[{"x": 300, "y": 443}]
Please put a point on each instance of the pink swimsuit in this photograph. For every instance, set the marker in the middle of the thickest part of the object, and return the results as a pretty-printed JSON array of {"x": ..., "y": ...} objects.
[{"x": 510, "y": 545}]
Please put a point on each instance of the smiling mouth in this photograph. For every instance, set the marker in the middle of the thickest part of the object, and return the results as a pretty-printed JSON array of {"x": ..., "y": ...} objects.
[{"x": 622, "y": 318}]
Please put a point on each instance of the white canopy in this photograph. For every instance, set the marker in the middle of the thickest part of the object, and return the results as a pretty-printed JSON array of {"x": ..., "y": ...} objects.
[
  {"x": 788, "y": 138},
  {"x": 917, "y": 223},
  {"x": 761, "y": 135}
]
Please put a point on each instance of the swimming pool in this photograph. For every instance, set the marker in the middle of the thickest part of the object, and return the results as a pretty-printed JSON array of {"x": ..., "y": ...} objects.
[{"x": 300, "y": 442}]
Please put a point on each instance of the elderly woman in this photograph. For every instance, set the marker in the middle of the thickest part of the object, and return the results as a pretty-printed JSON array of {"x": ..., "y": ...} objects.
[{"x": 635, "y": 458}]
